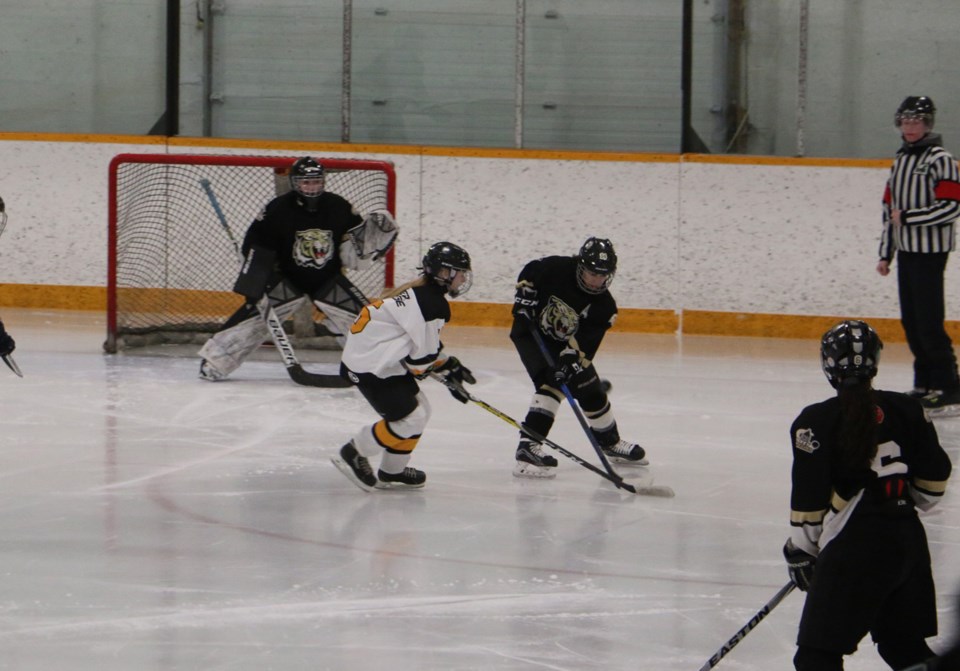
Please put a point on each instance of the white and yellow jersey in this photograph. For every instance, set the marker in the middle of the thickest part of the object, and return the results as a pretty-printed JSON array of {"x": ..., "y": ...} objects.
[{"x": 394, "y": 335}]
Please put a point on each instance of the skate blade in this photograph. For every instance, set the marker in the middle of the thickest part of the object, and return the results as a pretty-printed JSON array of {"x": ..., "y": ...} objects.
[
  {"x": 398, "y": 485},
  {"x": 620, "y": 461},
  {"x": 344, "y": 468},
  {"x": 944, "y": 412},
  {"x": 524, "y": 470}
]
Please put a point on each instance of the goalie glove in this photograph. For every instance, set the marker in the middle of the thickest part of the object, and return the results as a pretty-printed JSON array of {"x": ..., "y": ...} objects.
[
  {"x": 800, "y": 565},
  {"x": 375, "y": 236},
  {"x": 525, "y": 302},
  {"x": 569, "y": 364}
]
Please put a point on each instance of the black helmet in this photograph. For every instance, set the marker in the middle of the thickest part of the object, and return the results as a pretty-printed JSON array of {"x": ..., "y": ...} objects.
[
  {"x": 307, "y": 178},
  {"x": 455, "y": 259},
  {"x": 849, "y": 353},
  {"x": 597, "y": 256},
  {"x": 916, "y": 107}
]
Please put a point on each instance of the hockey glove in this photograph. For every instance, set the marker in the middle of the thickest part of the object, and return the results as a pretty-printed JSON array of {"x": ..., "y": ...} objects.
[
  {"x": 6, "y": 342},
  {"x": 455, "y": 374},
  {"x": 800, "y": 565},
  {"x": 568, "y": 365},
  {"x": 525, "y": 302}
]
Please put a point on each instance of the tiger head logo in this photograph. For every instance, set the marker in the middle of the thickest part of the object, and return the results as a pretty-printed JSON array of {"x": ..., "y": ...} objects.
[
  {"x": 558, "y": 320},
  {"x": 312, "y": 248}
]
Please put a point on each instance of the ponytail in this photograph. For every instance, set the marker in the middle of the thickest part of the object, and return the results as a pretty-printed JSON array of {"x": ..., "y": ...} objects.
[{"x": 858, "y": 425}]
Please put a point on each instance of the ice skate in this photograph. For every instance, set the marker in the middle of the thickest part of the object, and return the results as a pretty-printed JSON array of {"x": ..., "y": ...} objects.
[
  {"x": 533, "y": 462},
  {"x": 408, "y": 478},
  {"x": 623, "y": 452},
  {"x": 942, "y": 403},
  {"x": 356, "y": 467}
]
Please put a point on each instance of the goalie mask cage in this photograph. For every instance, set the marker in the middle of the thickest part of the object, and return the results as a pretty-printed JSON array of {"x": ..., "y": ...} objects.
[{"x": 172, "y": 265}]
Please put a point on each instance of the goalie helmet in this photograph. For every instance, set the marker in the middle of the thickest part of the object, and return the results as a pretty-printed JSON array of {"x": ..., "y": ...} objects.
[
  {"x": 598, "y": 258},
  {"x": 916, "y": 107},
  {"x": 444, "y": 263},
  {"x": 849, "y": 353},
  {"x": 307, "y": 178}
]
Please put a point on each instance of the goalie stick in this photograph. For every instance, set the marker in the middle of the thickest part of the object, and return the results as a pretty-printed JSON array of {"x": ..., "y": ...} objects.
[
  {"x": 7, "y": 358},
  {"x": 612, "y": 476},
  {"x": 748, "y": 627},
  {"x": 269, "y": 316}
]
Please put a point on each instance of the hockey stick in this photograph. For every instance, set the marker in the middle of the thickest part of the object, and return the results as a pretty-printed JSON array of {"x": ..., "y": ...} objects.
[
  {"x": 573, "y": 403},
  {"x": 269, "y": 316},
  {"x": 639, "y": 489},
  {"x": 11, "y": 364},
  {"x": 748, "y": 627}
]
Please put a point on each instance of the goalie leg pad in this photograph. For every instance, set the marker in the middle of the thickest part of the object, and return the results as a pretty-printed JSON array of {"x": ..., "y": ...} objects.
[
  {"x": 227, "y": 349},
  {"x": 340, "y": 301}
]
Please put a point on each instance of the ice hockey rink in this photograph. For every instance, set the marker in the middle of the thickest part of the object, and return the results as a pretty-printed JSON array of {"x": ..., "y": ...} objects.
[{"x": 153, "y": 521}]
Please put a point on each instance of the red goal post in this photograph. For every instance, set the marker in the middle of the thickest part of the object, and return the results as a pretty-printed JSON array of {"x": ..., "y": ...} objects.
[{"x": 170, "y": 262}]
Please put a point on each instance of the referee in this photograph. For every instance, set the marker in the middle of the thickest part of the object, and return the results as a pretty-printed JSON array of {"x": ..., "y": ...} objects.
[{"x": 920, "y": 207}]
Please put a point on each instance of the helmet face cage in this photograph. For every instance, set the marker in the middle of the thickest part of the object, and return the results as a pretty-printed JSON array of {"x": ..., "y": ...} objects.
[
  {"x": 307, "y": 177},
  {"x": 596, "y": 256},
  {"x": 916, "y": 107},
  {"x": 850, "y": 353},
  {"x": 444, "y": 262}
]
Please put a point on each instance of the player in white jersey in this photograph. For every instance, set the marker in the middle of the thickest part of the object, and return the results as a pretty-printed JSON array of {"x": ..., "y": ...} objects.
[{"x": 393, "y": 343}]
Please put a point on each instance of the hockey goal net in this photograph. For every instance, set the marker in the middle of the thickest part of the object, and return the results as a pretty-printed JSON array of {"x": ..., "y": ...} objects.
[{"x": 172, "y": 262}]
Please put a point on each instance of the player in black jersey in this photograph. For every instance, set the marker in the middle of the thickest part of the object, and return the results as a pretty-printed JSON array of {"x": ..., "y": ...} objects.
[
  {"x": 863, "y": 462},
  {"x": 7, "y": 345},
  {"x": 296, "y": 250},
  {"x": 567, "y": 299}
]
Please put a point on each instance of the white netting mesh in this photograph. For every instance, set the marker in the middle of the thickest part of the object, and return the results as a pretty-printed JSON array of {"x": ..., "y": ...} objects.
[{"x": 173, "y": 264}]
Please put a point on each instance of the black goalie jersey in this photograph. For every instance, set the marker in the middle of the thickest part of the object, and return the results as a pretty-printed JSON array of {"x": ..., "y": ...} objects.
[
  {"x": 910, "y": 469},
  {"x": 564, "y": 314},
  {"x": 307, "y": 243}
]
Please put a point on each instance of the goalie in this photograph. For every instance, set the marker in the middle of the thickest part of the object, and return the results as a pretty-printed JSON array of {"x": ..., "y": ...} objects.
[{"x": 294, "y": 251}]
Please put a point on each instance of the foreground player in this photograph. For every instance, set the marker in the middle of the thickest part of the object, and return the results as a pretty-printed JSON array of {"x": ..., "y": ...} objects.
[
  {"x": 567, "y": 299},
  {"x": 393, "y": 343},
  {"x": 297, "y": 248},
  {"x": 863, "y": 461},
  {"x": 7, "y": 345}
]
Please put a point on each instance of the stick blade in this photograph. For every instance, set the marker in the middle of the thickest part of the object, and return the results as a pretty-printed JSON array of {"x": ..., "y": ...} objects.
[
  {"x": 300, "y": 376},
  {"x": 643, "y": 486},
  {"x": 655, "y": 490},
  {"x": 11, "y": 364}
]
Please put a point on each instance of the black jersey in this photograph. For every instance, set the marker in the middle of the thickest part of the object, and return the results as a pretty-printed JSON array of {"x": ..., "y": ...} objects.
[
  {"x": 307, "y": 243},
  {"x": 910, "y": 468},
  {"x": 565, "y": 312}
]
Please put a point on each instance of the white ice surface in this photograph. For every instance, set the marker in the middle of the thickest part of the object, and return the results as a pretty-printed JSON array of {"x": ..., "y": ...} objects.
[{"x": 150, "y": 520}]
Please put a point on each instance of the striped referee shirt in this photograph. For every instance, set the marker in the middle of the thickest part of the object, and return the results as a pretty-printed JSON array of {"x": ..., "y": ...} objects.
[{"x": 924, "y": 184}]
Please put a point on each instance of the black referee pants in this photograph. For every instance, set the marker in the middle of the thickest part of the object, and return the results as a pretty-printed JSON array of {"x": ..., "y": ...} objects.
[{"x": 920, "y": 282}]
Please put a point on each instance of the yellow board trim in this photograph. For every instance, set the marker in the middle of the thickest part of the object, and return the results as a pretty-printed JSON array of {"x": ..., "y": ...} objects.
[
  {"x": 296, "y": 147},
  {"x": 629, "y": 320}
]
